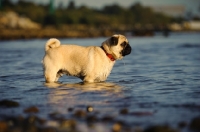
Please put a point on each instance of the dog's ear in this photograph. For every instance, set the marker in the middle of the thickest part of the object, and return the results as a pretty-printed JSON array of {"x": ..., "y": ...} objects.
[{"x": 114, "y": 40}]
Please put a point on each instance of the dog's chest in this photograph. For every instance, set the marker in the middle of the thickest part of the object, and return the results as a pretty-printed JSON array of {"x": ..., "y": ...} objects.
[{"x": 103, "y": 72}]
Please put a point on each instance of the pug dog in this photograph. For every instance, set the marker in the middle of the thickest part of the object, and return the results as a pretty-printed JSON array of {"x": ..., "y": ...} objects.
[{"x": 90, "y": 64}]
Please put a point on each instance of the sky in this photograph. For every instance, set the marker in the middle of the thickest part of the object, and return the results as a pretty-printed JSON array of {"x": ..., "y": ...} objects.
[{"x": 190, "y": 5}]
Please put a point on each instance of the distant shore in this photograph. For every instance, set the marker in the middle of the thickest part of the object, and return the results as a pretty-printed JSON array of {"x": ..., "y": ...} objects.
[{"x": 12, "y": 34}]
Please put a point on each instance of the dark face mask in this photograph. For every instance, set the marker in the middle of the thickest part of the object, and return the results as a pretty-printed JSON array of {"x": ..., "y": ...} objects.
[{"x": 126, "y": 50}]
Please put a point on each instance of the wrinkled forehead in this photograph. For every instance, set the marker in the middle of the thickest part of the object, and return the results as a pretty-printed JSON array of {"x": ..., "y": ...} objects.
[{"x": 122, "y": 39}]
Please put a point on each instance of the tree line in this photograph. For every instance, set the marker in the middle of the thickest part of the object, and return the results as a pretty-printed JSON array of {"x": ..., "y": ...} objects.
[{"x": 113, "y": 16}]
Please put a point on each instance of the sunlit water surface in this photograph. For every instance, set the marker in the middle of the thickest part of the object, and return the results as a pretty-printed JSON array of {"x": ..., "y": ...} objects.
[{"x": 160, "y": 78}]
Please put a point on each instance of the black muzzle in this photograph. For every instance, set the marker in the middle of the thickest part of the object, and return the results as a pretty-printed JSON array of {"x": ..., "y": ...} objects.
[{"x": 126, "y": 50}]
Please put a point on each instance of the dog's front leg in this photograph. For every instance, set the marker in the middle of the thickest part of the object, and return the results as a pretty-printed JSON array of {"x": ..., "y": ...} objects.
[
  {"x": 50, "y": 76},
  {"x": 89, "y": 79}
]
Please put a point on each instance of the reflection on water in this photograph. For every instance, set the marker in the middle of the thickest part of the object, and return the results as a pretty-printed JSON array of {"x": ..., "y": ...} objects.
[
  {"x": 82, "y": 94},
  {"x": 87, "y": 86}
]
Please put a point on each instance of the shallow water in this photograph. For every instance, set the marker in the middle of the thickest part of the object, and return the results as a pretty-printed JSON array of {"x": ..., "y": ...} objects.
[{"x": 159, "y": 82}]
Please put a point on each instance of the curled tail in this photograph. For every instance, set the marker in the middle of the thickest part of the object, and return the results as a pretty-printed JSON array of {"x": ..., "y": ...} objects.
[{"x": 52, "y": 43}]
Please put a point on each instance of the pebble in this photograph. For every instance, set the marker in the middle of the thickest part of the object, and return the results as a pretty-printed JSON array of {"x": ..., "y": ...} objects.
[
  {"x": 91, "y": 118},
  {"x": 56, "y": 116},
  {"x": 116, "y": 127},
  {"x": 34, "y": 123},
  {"x": 107, "y": 119},
  {"x": 124, "y": 111},
  {"x": 88, "y": 118},
  {"x": 141, "y": 113},
  {"x": 48, "y": 130},
  {"x": 51, "y": 123},
  {"x": 182, "y": 124},
  {"x": 70, "y": 109},
  {"x": 80, "y": 113},
  {"x": 90, "y": 109},
  {"x": 138, "y": 129},
  {"x": 68, "y": 124},
  {"x": 32, "y": 109},
  {"x": 159, "y": 128},
  {"x": 31, "y": 119},
  {"x": 3, "y": 126},
  {"x": 8, "y": 103},
  {"x": 195, "y": 124}
]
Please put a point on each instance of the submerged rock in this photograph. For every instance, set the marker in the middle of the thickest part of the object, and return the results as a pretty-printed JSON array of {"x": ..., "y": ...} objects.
[
  {"x": 8, "y": 103},
  {"x": 70, "y": 109},
  {"x": 107, "y": 119},
  {"x": 80, "y": 113},
  {"x": 142, "y": 113},
  {"x": 116, "y": 127},
  {"x": 124, "y": 111},
  {"x": 159, "y": 128},
  {"x": 68, "y": 125},
  {"x": 3, "y": 126},
  {"x": 195, "y": 124},
  {"x": 51, "y": 124},
  {"x": 182, "y": 124},
  {"x": 91, "y": 118},
  {"x": 32, "y": 109}
]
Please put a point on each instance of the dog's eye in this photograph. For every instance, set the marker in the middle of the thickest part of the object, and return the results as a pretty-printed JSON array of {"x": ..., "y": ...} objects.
[{"x": 123, "y": 44}]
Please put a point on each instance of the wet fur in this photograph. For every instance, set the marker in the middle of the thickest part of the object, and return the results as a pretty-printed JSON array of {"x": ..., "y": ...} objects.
[{"x": 88, "y": 63}]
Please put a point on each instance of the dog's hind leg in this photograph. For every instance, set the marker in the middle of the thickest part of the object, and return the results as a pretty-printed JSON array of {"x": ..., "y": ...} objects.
[{"x": 58, "y": 75}]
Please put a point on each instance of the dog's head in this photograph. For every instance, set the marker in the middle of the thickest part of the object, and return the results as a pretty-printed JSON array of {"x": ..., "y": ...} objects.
[{"x": 117, "y": 46}]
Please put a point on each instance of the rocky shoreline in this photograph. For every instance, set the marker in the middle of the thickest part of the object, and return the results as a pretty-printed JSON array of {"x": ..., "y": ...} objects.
[
  {"x": 79, "y": 120},
  {"x": 12, "y": 34},
  {"x": 14, "y": 26}
]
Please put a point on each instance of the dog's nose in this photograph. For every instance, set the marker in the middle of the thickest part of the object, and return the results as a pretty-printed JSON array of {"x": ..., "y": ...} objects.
[{"x": 126, "y": 50}]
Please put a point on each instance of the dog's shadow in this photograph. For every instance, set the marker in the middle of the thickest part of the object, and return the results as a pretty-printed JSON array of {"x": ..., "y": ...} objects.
[{"x": 86, "y": 86}]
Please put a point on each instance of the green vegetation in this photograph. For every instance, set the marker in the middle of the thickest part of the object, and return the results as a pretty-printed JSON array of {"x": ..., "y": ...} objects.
[
  {"x": 110, "y": 16},
  {"x": 73, "y": 21}
]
